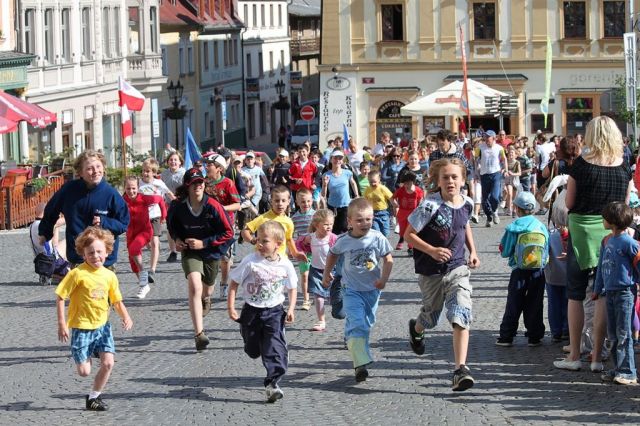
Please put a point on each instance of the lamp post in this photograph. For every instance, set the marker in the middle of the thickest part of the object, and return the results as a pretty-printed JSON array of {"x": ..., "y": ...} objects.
[
  {"x": 177, "y": 112},
  {"x": 282, "y": 105}
]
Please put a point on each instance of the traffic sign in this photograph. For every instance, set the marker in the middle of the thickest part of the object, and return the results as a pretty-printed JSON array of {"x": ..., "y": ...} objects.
[{"x": 307, "y": 113}]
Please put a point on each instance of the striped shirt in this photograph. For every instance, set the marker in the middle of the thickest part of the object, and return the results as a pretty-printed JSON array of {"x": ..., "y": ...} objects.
[{"x": 301, "y": 222}]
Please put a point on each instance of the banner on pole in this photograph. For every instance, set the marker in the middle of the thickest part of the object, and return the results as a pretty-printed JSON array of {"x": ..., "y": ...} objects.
[{"x": 630, "y": 69}]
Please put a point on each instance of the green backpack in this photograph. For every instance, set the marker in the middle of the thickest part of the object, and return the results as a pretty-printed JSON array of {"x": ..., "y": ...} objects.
[{"x": 532, "y": 251}]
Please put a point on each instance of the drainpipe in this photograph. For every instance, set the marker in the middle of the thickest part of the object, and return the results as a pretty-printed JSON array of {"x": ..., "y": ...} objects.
[{"x": 244, "y": 84}]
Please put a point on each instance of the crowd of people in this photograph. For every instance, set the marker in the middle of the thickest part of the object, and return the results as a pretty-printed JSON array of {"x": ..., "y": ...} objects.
[{"x": 333, "y": 213}]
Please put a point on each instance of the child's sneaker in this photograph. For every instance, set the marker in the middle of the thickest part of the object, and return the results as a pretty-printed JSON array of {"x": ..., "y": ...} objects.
[
  {"x": 95, "y": 404},
  {"x": 273, "y": 392},
  {"x": 319, "y": 326},
  {"x": 416, "y": 340},
  {"x": 596, "y": 367},
  {"x": 224, "y": 291},
  {"x": 202, "y": 341},
  {"x": 504, "y": 342},
  {"x": 462, "y": 379},
  {"x": 306, "y": 305},
  {"x": 361, "y": 373},
  {"x": 206, "y": 306},
  {"x": 173, "y": 257},
  {"x": 475, "y": 218},
  {"x": 534, "y": 343},
  {"x": 143, "y": 291},
  {"x": 399, "y": 246},
  {"x": 624, "y": 381},
  {"x": 496, "y": 218}
]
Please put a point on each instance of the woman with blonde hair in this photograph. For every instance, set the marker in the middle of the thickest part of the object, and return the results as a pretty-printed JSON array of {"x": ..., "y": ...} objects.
[{"x": 596, "y": 179}]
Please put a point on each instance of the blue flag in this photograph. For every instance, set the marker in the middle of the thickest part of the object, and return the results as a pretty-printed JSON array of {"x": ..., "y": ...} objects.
[
  {"x": 191, "y": 151},
  {"x": 345, "y": 135}
]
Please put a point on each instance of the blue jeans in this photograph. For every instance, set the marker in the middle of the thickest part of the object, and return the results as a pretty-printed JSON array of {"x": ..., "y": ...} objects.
[
  {"x": 525, "y": 181},
  {"x": 360, "y": 308},
  {"x": 619, "y": 320},
  {"x": 491, "y": 184},
  {"x": 557, "y": 309},
  {"x": 381, "y": 221}
]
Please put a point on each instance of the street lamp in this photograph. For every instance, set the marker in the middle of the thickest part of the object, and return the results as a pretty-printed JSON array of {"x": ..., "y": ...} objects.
[
  {"x": 177, "y": 112},
  {"x": 282, "y": 104}
]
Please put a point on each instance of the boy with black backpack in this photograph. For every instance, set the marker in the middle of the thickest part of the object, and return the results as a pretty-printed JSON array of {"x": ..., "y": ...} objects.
[{"x": 526, "y": 244}]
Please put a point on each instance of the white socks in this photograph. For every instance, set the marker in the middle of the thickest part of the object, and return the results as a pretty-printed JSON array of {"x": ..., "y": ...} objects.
[{"x": 93, "y": 394}]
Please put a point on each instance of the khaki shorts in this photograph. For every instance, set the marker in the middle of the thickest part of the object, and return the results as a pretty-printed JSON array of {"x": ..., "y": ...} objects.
[
  {"x": 452, "y": 290},
  {"x": 192, "y": 262}
]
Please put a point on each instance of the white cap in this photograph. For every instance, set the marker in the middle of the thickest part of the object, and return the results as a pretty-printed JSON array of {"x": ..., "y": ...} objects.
[
  {"x": 239, "y": 158},
  {"x": 337, "y": 153},
  {"x": 250, "y": 154},
  {"x": 283, "y": 153}
]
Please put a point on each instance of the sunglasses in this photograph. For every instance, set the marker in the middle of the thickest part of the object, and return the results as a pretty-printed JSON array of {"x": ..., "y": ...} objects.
[{"x": 396, "y": 156}]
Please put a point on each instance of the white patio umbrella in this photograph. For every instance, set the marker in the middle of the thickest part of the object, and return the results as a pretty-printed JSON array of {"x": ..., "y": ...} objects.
[{"x": 446, "y": 100}]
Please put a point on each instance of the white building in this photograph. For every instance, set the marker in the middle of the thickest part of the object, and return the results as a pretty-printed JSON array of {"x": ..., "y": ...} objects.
[
  {"x": 266, "y": 62},
  {"x": 81, "y": 48}
]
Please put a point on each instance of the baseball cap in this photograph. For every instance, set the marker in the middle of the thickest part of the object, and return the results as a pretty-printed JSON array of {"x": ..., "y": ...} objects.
[
  {"x": 212, "y": 157},
  {"x": 525, "y": 200},
  {"x": 192, "y": 175},
  {"x": 337, "y": 153},
  {"x": 251, "y": 154},
  {"x": 239, "y": 158},
  {"x": 283, "y": 153},
  {"x": 490, "y": 133}
]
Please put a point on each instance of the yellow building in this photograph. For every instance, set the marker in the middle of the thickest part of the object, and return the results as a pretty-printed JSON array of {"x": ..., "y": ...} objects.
[{"x": 378, "y": 55}]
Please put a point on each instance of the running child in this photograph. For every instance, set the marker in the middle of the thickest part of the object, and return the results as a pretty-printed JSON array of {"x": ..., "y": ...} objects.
[
  {"x": 301, "y": 220},
  {"x": 439, "y": 230},
  {"x": 140, "y": 230},
  {"x": 407, "y": 197},
  {"x": 379, "y": 196},
  {"x": 318, "y": 242},
  {"x": 154, "y": 186},
  {"x": 172, "y": 177},
  {"x": 203, "y": 233},
  {"x": 366, "y": 268},
  {"x": 264, "y": 276},
  {"x": 91, "y": 289}
]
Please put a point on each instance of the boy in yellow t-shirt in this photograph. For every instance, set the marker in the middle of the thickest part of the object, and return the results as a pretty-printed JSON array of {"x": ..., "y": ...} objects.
[
  {"x": 280, "y": 199},
  {"x": 379, "y": 196},
  {"x": 90, "y": 287}
]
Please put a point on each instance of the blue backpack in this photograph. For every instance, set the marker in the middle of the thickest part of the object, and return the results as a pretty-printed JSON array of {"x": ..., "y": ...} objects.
[{"x": 532, "y": 251}]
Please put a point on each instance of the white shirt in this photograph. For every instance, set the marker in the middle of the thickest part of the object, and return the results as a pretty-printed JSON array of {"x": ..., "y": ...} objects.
[
  {"x": 355, "y": 158},
  {"x": 156, "y": 187},
  {"x": 319, "y": 251},
  {"x": 544, "y": 152},
  {"x": 264, "y": 282},
  {"x": 490, "y": 158},
  {"x": 378, "y": 149}
]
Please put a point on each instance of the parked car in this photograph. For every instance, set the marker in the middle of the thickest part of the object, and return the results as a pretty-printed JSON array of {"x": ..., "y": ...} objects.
[{"x": 306, "y": 130}]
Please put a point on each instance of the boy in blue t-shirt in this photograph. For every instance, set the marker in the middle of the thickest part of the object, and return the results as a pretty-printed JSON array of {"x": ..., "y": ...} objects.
[
  {"x": 365, "y": 272},
  {"x": 525, "y": 294}
]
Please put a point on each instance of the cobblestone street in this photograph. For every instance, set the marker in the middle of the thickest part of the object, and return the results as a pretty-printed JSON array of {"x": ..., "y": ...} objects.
[{"x": 160, "y": 379}]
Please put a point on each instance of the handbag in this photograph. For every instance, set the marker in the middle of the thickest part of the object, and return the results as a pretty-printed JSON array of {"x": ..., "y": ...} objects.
[{"x": 542, "y": 190}]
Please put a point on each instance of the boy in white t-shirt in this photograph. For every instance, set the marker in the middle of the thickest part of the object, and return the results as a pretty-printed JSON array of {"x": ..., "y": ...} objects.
[
  {"x": 264, "y": 275},
  {"x": 150, "y": 185}
]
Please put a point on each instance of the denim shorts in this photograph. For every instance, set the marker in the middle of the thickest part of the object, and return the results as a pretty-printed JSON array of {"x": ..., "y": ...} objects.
[{"x": 87, "y": 343}]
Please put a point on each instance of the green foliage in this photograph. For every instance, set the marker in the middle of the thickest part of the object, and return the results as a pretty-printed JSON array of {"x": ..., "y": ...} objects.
[
  {"x": 115, "y": 175},
  {"x": 620, "y": 101},
  {"x": 38, "y": 184}
]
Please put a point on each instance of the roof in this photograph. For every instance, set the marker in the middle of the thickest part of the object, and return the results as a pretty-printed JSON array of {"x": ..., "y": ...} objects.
[
  {"x": 15, "y": 58},
  {"x": 305, "y": 7},
  {"x": 185, "y": 13}
]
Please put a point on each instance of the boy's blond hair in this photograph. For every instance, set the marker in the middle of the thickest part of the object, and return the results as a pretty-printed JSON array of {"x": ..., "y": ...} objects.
[
  {"x": 85, "y": 156},
  {"x": 280, "y": 189},
  {"x": 373, "y": 173},
  {"x": 359, "y": 204},
  {"x": 92, "y": 234},
  {"x": 303, "y": 191},
  {"x": 151, "y": 164},
  {"x": 273, "y": 229}
]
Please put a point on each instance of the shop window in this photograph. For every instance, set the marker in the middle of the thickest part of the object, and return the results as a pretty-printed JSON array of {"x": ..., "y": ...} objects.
[
  {"x": 578, "y": 112},
  {"x": 537, "y": 123},
  {"x": 392, "y": 22}
]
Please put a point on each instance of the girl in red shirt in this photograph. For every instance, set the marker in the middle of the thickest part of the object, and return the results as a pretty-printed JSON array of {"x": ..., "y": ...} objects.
[{"x": 407, "y": 197}]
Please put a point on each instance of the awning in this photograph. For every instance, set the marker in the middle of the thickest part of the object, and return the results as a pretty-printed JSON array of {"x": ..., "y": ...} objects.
[
  {"x": 7, "y": 126},
  {"x": 15, "y": 109}
]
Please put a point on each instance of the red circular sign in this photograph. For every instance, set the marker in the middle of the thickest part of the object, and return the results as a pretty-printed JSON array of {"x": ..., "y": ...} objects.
[{"x": 307, "y": 113}]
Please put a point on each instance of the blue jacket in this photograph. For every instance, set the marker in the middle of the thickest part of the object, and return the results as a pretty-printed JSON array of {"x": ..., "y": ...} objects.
[
  {"x": 618, "y": 264},
  {"x": 79, "y": 204},
  {"x": 519, "y": 226}
]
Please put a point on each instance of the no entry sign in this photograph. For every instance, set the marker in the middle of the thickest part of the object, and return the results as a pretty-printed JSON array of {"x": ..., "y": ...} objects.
[{"x": 307, "y": 113}]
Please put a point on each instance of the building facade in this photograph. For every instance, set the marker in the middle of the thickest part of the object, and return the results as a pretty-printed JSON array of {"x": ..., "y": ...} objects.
[
  {"x": 201, "y": 48},
  {"x": 80, "y": 49},
  {"x": 267, "y": 62},
  {"x": 380, "y": 55},
  {"x": 304, "y": 28}
]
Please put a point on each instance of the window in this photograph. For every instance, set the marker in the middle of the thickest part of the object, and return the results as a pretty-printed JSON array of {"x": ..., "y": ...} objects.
[
  {"x": 105, "y": 32},
  {"x": 262, "y": 16},
  {"x": 279, "y": 15},
  {"x": 65, "y": 40},
  {"x": 537, "y": 123},
  {"x": 271, "y": 15},
  {"x": 190, "y": 58},
  {"x": 48, "y": 36},
  {"x": 29, "y": 31},
  {"x": 271, "y": 67},
  {"x": 251, "y": 117},
  {"x": 116, "y": 31},
  {"x": 575, "y": 19},
  {"x": 248, "y": 62},
  {"x": 255, "y": 16},
  {"x": 153, "y": 27},
  {"x": 260, "y": 65},
  {"x": 205, "y": 55},
  {"x": 246, "y": 14},
  {"x": 614, "y": 18},
  {"x": 392, "y": 22},
  {"x": 263, "y": 118},
  {"x": 206, "y": 125},
  {"x": 578, "y": 112},
  {"x": 216, "y": 60},
  {"x": 165, "y": 64},
  {"x": 484, "y": 21},
  {"x": 181, "y": 59},
  {"x": 134, "y": 31},
  {"x": 86, "y": 33}
]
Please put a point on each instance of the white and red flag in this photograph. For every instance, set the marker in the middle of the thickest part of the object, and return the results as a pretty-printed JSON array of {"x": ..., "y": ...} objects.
[
  {"x": 129, "y": 96},
  {"x": 125, "y": 121}
]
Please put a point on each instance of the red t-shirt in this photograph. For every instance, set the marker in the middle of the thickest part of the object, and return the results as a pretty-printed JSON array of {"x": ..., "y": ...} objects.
[
  {"x": 224, "y": 191},
  {"x": 408, "y": 201}
]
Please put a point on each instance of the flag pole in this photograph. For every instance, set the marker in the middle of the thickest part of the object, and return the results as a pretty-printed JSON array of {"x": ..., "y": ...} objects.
[
  {"x": 464, "y": 75},
  {"x": 124, "y": 155}
]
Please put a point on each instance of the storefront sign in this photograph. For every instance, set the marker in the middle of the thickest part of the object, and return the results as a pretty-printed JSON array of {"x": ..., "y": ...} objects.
[
  {"x": 389, "y": 119},
  {"x": 13, "y": 77},
  {"x": 337, "y": 105}
]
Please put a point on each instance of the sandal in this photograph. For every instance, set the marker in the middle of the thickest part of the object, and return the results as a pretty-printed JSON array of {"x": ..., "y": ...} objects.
[
  {"x": 306, "y": 305},
  {"x": 319, "y": 326}
]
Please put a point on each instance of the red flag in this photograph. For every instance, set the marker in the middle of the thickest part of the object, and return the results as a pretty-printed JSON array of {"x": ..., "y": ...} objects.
[
  {"x": 129, "y": 96},
  {"x": 125, "y": 121},
  {"x": 464, "y": 96}
]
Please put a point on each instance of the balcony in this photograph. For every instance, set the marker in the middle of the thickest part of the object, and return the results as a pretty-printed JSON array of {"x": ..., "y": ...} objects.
[
  {"x": 144, "y": 67},
  {"x": 305, "y": 46}
]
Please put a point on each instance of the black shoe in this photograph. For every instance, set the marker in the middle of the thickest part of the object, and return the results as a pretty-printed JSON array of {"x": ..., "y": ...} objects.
[
  {"x": 462, "y": 379},
  {"x": 361, "y": 373},
  {"x": 410, "y": 252},
  {"x": 95, "y": 404},
  {"x": 151, "y": 278},
  {"x": 202, "y": 341},
  {"x": 173, "y": 257},
  {"x": 206, "y": 306},
  {"x": 506, "y": 343},
  {"x": 556, "y": 338},
  {"x": 535, "y": 342},
  {"x": 416, "y": 340}
]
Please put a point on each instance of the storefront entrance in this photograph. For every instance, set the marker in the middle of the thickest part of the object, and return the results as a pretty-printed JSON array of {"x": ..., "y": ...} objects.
[{"x": 389, "y": 119}]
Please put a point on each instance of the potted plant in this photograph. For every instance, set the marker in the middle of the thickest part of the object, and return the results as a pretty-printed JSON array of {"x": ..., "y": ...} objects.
[{"x": 35, "y": 185}]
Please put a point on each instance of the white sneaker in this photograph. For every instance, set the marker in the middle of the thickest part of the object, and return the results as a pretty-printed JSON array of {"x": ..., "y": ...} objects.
[
  {"x": 274, "y": 393},
  {"x": 503, "y": 204},
  {"x": 596, "y": 367},
  {"x": 142, "y": 291},
  {"x": 475, "y": 218},
  {"x": 224, "y": 291},
  {"x": 143, "y": 278},
  {"x": 496, "y": 218}
]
